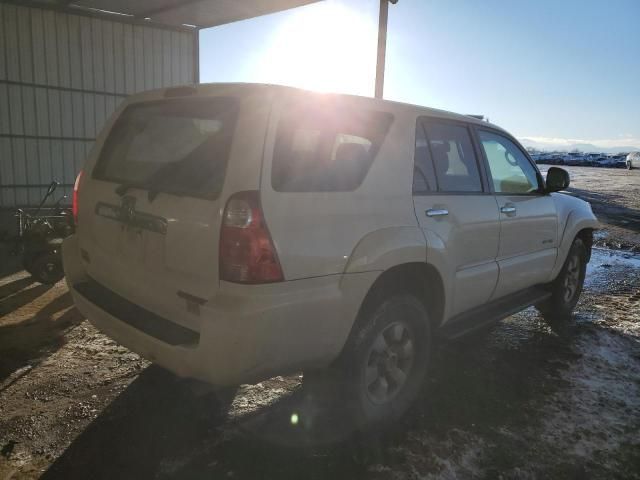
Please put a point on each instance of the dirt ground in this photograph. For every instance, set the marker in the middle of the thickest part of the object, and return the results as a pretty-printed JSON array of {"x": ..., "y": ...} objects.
[
  {"x": 523, "y": 401},
  {"x": 614, "y": 195}
]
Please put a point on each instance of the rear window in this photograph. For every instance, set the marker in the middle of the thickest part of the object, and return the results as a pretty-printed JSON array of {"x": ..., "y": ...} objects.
[
  {"x": 176, "y": 146},
  {"x": 323, "y": 149}
]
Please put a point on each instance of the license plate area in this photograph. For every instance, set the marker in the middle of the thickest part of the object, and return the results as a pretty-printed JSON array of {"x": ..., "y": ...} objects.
[
  {"x": 131, "y": 244},
  {"x": 141, "y": 236}
]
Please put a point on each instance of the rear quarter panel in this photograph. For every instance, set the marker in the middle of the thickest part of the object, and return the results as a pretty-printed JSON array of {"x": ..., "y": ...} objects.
[{"x": 317, "y": 233}]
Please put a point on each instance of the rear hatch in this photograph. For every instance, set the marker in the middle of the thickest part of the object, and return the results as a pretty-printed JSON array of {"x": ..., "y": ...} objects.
[{"x": 150, "y": 203}]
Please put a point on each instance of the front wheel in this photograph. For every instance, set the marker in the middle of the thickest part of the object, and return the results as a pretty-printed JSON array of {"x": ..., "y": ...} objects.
[
  {"x": 384, "y": 365},
  {"x": 567, "y": 287}
]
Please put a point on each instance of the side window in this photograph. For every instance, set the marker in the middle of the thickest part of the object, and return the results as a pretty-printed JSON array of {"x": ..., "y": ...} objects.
[
  {"x": 511, "y": 171},
  {"x": 423, "y": 176},
  {"x": 454, "y": 161},
  {"x": 324, "y": 149}
]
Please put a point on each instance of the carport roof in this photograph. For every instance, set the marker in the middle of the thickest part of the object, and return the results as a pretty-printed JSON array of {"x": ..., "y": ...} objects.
[{"x": 177, "y": 13}]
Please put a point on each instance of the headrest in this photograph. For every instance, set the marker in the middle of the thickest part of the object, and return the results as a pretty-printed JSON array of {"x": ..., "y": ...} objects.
[
  {"x": 440, "y": 147},
  {"x": 350, "y": 151},
  {"x": 440, "y": 156}
]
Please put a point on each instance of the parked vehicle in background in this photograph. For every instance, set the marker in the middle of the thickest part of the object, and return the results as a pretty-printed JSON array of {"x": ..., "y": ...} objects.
[
  {"x": 619, "y": 161},
  {"x": 633, "y": 160},
  {"x": 235, "y": 232},
  {"x": 581, "y": 159},
  {"x": 41, "y": 231},
  {"x": 556, "y": 158},
  {"x": 573, "y": 159},
  {"x": 591, "y": 159}
]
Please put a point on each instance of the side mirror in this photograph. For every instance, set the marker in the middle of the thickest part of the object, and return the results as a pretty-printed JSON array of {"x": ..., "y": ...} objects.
[{"x": 557, "y": 179}]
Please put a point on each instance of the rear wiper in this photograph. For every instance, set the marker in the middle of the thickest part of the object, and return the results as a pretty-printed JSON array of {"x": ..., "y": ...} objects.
[
  {"x": 160, "y": 178},
  {"x": 170, "y": 171},
  {"x": 124, "y": 188},
  {"x": 151, "y": 192}
]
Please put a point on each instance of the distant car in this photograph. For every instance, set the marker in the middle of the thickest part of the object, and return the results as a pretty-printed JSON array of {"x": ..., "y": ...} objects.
[
  {"x": 633, "y": 160},
  {"x": 602, "y": 161},
  {"x": 619, "y": 161},
  {"x": 573, "y": 159},
  {"x": 591, "y": 159}
]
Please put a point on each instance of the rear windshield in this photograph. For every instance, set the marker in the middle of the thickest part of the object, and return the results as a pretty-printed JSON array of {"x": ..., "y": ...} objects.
[
  {"x": 176, "y": 146},
  {"x": 322, "y": 148}
]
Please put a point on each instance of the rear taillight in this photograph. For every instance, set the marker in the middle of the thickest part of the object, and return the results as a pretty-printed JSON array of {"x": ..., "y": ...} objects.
[
  {"x": 247, "y": 253},
  {"x": 74, "y": 201}
]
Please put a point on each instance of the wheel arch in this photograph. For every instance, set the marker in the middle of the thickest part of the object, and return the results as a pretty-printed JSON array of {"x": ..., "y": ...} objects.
[
  {"x": 385, "y": 248},
  {"x": 586, "y": 235},
  {"x": 418, "y": 278},
  {"x": 579, "y": 221}
]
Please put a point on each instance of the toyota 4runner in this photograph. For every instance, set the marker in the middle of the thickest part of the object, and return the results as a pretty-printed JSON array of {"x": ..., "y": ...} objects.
[{"x": 233, "y": 232}]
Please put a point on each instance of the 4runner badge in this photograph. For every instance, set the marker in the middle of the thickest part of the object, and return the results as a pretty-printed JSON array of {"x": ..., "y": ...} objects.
[{"x": 127, "y": 209}]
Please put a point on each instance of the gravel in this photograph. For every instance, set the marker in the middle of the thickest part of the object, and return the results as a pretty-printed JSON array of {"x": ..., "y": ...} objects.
[{"x": 522, "y": 401}]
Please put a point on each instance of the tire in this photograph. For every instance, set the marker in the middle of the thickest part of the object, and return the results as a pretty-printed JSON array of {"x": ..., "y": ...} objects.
[
  {"x": 629, "y": 167},
  {"x": 47, "y": 268},
  {"x": 383, "y": 368},
  {"x": 567, "y": 287}
]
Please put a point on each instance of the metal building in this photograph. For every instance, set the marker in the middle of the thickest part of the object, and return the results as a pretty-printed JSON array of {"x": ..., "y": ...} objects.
[
  {"x": 66, "y": 65},
  {"x": 61, "y": 76}
]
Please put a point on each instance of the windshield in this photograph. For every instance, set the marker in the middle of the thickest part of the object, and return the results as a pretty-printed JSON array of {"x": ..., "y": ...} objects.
[{"x": 176, "y": 146}]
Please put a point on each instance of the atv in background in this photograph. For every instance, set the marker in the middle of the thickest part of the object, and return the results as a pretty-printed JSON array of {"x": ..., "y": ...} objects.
[{"x": 41, "y": 231}]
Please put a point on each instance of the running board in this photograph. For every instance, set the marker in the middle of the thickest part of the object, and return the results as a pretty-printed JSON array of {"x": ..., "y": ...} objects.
[{"x": 481, "y": 317}]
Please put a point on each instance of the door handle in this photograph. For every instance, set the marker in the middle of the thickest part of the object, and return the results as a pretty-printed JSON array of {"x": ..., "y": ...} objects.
[
  {"x": 507, "y": 209},
  {"x": 436, "y": 212}
]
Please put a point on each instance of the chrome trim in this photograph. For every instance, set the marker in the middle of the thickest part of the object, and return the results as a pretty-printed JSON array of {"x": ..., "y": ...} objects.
[{"x": 127, "y": 215}]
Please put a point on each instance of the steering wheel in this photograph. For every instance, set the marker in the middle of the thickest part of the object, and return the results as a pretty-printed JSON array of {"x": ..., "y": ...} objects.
[{"x": 511, "y": 160}]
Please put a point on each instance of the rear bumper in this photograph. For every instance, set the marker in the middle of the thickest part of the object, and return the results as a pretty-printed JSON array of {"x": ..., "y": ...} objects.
[{"x": 247, "y": 333}]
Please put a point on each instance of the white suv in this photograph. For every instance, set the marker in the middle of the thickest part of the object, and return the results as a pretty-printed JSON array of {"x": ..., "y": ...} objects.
[{"x": 233, "y": 232}]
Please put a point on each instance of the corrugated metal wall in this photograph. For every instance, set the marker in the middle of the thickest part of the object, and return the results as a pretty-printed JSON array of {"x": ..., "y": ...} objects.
[{"x": 61, "y": 76}]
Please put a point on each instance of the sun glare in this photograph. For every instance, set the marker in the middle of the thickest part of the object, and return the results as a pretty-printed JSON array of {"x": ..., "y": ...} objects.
[{"x": 325, "y": 47}]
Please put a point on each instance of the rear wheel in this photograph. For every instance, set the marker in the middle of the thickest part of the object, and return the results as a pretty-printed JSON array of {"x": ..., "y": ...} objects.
[
  {"x": 567, "y": 287},
  {"x": 383, "y": 367}
]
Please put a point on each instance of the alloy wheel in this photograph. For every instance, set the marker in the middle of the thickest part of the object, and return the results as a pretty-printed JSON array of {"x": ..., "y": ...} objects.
[
  {"x": 572, "y": 278},
  {"x": 389, "y": 362}
]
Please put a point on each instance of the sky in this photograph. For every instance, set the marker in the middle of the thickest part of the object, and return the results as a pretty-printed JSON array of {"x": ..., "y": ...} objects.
[{"x": 554, "y": 72}]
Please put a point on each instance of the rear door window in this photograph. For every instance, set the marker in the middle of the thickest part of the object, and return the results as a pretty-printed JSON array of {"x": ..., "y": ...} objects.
[
  {"x": 321, "y": 148},
  {"x": 454, "y": 160},
  {"x": 176, "y": 146}
]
